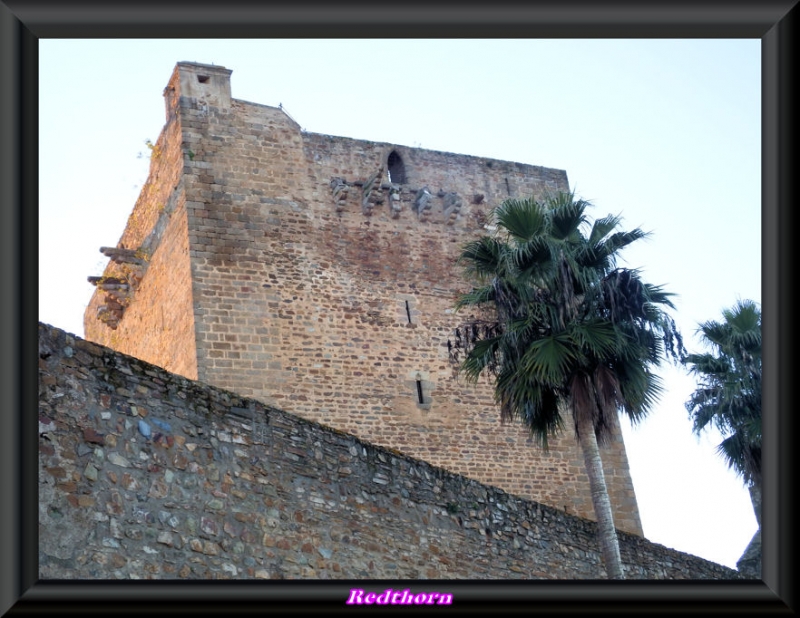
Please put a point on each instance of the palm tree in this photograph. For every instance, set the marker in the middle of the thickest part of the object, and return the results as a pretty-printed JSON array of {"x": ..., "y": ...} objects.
[
  {"x": 564, "y": 331},
  {"x": 728, "y": 396},
  {"x": 729, "y": 393}
]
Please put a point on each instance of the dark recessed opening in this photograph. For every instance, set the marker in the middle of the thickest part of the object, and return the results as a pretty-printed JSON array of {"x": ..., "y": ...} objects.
[
  {"x": 420, "y": 398},
  {"x": 408, "y": 312},
  {"x": 397, "y": 170},
  {"x": 203, "y": 79}
]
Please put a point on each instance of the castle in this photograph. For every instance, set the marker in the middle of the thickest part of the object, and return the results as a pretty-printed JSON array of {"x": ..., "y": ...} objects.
[{"x": 317, "y": 274}]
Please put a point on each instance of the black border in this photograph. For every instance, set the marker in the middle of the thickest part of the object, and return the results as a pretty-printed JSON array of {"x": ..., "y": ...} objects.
[{"x": 23, "y": 23}]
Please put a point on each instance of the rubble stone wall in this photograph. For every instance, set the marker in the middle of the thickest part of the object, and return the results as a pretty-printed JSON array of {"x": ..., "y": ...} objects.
[{"x": 147, "y": 474}]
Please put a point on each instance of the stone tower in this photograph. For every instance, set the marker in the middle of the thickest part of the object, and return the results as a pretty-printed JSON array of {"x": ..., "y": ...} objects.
[{"x": 317, "y": 274}]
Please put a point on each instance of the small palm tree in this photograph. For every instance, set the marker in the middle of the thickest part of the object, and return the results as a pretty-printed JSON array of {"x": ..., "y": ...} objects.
[
  {"x": 564, "y": 331},
  {"x": 728, "y": 396}
]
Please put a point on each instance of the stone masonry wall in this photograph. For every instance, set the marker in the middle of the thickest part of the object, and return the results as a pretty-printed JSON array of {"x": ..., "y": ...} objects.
[
  {"x": 323, "y": 274},
  {"x": 158, "y": 319},
  {"x": 347, "y": 311},
  {"x": 147, "y": 474}
]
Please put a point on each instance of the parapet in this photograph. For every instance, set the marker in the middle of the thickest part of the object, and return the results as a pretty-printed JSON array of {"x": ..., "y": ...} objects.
[{"x": 204, "y": 82}]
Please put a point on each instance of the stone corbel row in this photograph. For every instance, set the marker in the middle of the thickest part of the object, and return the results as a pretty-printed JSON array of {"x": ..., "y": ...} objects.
[
  {"x": 118, "y": 290},
  {"x": 373, "y": 192}
]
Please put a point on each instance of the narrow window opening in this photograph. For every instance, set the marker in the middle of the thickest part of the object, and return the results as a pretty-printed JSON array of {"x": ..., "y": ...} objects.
[
  {"x": 203, "y": 79},
  {"x": 508, "y": 186},
  {"x": 420, "y": 398},
  {"x": 408, "y": 312},
  {"x": 396, "y": 168}
]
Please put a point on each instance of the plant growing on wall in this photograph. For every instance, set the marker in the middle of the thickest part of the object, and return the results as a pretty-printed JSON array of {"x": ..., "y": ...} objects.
[
  {"x": 564, "y": 331},
  {"x": 155, "y": 150}
]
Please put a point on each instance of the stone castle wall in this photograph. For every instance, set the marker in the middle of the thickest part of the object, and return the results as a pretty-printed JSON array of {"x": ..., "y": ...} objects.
[
  {"x": 147, "y": 474},
  {"x": 322, "y": 274}
]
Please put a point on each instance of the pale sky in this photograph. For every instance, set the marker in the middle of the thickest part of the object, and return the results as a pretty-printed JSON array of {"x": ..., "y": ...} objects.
[{"x": 664, "y": 132}]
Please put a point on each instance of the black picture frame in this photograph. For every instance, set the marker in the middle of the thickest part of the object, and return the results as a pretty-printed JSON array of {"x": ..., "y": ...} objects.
[{"x": 23, "y": 23}]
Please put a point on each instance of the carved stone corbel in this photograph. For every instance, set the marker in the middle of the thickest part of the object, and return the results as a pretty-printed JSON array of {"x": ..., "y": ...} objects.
[
  {"x": 422, "y": 203},
  {"x": 452, "y": 206},
  {"x": 339, "y": 190},
  {"x": 372, "y": 192}
]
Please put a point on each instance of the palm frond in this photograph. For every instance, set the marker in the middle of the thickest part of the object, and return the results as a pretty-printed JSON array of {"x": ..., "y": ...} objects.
[
  {"x": 598, "y": 337},
  {"x": 567, "y": 217},
  {"x": 482, "y": 257},
  {"x": 476, "y": 297},
  {"x": 522, "y": 219},
  {"x": 657, "y": 295},
  {"x": 602, "y": 227},
  {"x": 616, "y": 242},
  {"x": 548, "y": 359},
  {"x": 533, "y": 258}
]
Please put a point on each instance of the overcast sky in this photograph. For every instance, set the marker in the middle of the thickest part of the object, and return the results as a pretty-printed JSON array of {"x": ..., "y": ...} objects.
[{"x": 664, "y": 132}]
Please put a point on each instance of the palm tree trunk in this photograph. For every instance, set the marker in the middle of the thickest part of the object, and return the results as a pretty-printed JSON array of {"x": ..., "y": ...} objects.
[
  {"x": 609, "y": 544},
  {"x": 749, "y": 564},
  {"x": 755, "y": 498}
]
